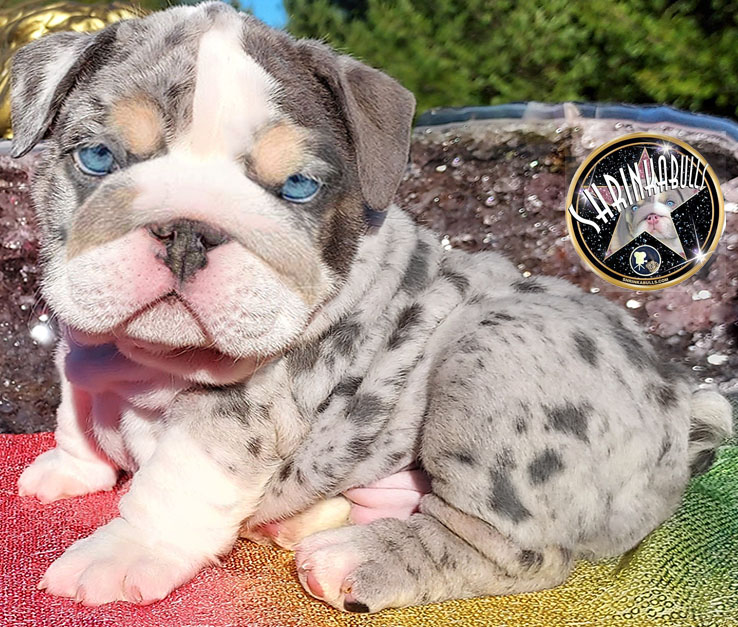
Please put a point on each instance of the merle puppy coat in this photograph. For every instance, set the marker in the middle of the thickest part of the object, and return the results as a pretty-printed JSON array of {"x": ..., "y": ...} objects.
[{"x": 245, "y": 335}]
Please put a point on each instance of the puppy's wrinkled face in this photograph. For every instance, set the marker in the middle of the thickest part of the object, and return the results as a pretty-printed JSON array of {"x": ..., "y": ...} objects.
[
  {"x": 653, "y": 214},
  {"x": 204, "y": 188}
]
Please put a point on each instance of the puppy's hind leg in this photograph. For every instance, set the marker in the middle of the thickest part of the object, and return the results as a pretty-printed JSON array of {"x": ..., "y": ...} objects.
[{"x": 438, "y": 554}]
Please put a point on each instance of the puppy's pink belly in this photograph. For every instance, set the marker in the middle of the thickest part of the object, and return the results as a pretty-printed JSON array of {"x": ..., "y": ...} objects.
[{"x": 396, "y": 496}]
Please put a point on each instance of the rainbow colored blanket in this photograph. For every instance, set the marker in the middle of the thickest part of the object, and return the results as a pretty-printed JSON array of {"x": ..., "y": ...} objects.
[{"x": 685, "y": 574}]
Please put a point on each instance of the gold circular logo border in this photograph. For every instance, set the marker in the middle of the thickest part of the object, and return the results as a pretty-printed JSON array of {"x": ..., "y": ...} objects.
[{"x": 595, "y": 154}]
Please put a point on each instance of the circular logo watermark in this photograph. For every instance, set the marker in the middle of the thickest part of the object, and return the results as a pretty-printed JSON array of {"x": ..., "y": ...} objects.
[{"x": 645, "y": 211}]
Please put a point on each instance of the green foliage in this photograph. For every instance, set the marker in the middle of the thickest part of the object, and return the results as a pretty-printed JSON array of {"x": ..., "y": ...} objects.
[{"x": 449, "y": 52}]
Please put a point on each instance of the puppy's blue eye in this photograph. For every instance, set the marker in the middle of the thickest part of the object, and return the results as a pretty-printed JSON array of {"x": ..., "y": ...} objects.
[
  {"x": 670, "y": 203},
  {"x": 95, "y": 160},
  {"x": 634, "y": 208},
  {"x": 299, "y": 188}
]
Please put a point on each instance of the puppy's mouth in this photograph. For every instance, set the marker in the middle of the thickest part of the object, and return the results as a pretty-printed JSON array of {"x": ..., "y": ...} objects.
[
  {"x": 167, "y": 325},
  {"x": 201, "y": 365}
]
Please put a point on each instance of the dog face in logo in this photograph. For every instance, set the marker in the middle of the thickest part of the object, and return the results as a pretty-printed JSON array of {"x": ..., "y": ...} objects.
[
  {"x": 650, "y": 215},
  {"x": 204, "y": 189}
]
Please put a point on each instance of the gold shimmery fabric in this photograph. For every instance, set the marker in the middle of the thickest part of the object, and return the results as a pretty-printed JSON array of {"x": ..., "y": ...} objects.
[
  {"x": 685, "y": 574},
  {"x": 23, "y": 23}
]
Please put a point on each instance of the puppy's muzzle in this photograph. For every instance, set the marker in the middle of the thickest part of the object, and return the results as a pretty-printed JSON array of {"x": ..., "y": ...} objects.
[{"x": 187, "y": 244}]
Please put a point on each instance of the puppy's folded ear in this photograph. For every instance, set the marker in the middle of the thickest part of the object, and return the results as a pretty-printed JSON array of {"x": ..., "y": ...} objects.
[
  {"x": 379, "y": 115},
  {"x": 43, "y": 73}
]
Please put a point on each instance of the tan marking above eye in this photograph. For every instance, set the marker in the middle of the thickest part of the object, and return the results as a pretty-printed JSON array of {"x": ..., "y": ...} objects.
[
  {"x": 140, "y": 124},
  {"x": 279, "y": 151}
]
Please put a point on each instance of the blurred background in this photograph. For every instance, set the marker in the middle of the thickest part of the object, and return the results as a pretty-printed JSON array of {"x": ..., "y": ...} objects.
[
  {"x": 490, "y": 176},
  {"x": 480, "y": 52}
]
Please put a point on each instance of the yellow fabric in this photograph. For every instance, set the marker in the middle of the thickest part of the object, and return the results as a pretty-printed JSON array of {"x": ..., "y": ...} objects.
[
  {"x": 23, "y": 23},
  {"x": 684, "y": 574}
]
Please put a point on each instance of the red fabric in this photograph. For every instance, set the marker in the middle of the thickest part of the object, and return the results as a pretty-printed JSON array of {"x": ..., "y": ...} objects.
[{"x": 33, "y": 535}]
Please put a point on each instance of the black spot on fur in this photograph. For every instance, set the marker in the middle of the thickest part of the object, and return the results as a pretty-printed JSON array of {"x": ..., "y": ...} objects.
[
  {"x": 531, "y": 559},
  {"x": 348, "y": 386},
  {"x": 701, "y": 433},
  {"x": 530, "y": 286},
  {"x": 463, "y": 457},
  {"x": 667, "y": 397},
  {"x": 665, "y": 448},
  {"x": 586, "y": 347},
  {"x": 343, "y": 335},
  {"x": 173, "y": 38},
  {"x": 285, "y": 471},
  {"x": 445, "y": 559},
  {"x": 637, "y": 354},
  {"x": 702, "y": 462},
  {"x": 412, "y": 571},
  {"x": 304, "y": 358},
  {"x": 489, "y": 323},
  {"x": 458, "y": 280},
  {"x": 233, "y": 403},
  {"x": 355, "y": 606},
  {"x": 213, "y": 10},
  {"x": 416, "y": 274},
  {"x": 663, "y": 395},
  {"x": 571, "y": 419},
  {"x": 254, "y": 446},
  {"x": 497, "y": 315},
  {"x": 408, "y": 318},
  {"x": 544, "y": 466},
  {"x": 365, "y": 408},
  {"x": 504, "y": 500},
  {"x": 59, "y": 233},
  {"x": 358, "y": 448}
]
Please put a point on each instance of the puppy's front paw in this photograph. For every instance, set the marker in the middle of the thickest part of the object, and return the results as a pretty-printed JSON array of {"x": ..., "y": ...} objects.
[
  {"x": 56, "y": 474},
  {"x": 116, "y": 564},
  {"x": 288, "y": 533}
]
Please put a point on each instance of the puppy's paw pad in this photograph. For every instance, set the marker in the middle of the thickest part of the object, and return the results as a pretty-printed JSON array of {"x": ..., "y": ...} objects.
[
  {"x": 113, "y": 565},
  {"x": 56, "y": 474}
]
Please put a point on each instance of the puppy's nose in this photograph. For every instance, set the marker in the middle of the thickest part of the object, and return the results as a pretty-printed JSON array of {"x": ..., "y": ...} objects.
[
  {"x": 652, "y": 218},
  {"x": 187, "y": 245}
]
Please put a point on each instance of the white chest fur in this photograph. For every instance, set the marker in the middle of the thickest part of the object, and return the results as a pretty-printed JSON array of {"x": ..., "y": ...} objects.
[{"x": 127, "y": 401}]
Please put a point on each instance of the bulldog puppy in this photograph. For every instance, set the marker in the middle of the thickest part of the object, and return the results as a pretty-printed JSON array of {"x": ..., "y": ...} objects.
[
  {"x": 245, "y": 335},
  {"x": 651, "y": 215}
]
